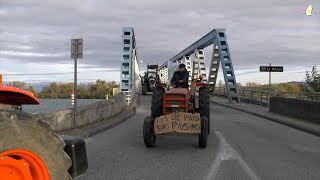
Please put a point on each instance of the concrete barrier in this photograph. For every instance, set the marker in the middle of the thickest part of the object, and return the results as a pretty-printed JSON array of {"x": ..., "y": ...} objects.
[
  {"x": 302, "y": 109},
  {"x": 89, "y": 114}
]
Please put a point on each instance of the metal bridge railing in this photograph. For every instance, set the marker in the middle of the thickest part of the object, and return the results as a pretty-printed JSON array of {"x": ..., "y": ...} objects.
[
  {"x": 261, "y": 97},
  {"x": 130, "y": 95}
]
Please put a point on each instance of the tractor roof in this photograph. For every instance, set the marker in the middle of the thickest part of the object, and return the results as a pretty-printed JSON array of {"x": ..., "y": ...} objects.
[
  {"x": 16, "y": 96},
  {"x": 152, "y": 66}
]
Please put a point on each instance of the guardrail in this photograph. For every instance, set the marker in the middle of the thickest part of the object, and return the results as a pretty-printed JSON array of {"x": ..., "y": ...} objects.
[{"x": 261, "y": 97}]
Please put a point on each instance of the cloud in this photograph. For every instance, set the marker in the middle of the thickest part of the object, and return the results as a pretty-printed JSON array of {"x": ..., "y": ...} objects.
[{"x": 39, "y": 32}]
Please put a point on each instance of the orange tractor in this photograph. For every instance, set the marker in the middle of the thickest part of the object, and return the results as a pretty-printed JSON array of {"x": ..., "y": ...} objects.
[
  {"x": 179, "y": 110},
  {"x": 29, "y": 148}
]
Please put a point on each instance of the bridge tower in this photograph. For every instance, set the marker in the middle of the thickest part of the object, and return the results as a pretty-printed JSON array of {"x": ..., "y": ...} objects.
[
  {"x": 221, "y": 54},
  {"x": 129, "y": 77}
]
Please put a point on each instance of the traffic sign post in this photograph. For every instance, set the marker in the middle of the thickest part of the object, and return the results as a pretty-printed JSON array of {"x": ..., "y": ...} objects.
[
  {"x": 76, "y": 52},
  {"x": 76, "y": 48},
  {"x": 271, "y": 69}
]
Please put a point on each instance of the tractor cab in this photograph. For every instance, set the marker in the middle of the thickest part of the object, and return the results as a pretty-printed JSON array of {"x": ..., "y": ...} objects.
[{"x": 150, "y": 79}]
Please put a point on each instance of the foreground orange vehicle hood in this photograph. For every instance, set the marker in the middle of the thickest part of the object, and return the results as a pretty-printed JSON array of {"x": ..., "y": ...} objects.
[{"x": 15, "y": 96}]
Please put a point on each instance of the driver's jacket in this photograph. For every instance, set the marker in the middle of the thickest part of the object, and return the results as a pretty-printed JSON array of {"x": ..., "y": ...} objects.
[{"x": 180, "y": 76}]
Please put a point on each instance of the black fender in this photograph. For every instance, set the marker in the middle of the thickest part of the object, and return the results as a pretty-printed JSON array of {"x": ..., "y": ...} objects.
[{"x": 76, "y": 150}]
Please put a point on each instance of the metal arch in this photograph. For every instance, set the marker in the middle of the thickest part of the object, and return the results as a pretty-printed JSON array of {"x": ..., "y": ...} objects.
[
  {"x": 218, "y": 38},
  {"x": 205, "y": 41}
]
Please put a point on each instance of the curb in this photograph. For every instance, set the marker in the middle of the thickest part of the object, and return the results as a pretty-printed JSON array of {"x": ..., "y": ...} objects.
[
  {"x": 128, "y": 112},
  {"x": 313, "y": 131},
  {"x": 115, "y": 121}
]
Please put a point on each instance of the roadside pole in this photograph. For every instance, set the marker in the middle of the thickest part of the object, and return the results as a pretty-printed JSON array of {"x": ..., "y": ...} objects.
[
  {"x": 269, "y": 93},
  {"x": 76, "y": 52},
  {"x": 75, "y": 94},
  {"x": 270, "y": 69}
]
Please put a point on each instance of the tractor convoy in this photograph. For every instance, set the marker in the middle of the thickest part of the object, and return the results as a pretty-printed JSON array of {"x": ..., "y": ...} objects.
[{"x": 29, "y": 148}]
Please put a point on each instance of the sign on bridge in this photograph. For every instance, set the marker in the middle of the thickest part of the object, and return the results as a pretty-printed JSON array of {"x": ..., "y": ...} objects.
[
  {"x": 271, "y": 68},
  {"x": 76, "y": 48}
]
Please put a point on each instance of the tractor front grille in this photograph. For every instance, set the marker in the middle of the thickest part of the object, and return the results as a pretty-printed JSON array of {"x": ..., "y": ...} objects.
[
  {"x": 175, "y": 102},
  {"x": 152, "y": 81}
]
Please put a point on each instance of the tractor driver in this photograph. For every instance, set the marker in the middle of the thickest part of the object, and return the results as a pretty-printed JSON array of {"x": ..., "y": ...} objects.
[{"x": 180, "y": 78}]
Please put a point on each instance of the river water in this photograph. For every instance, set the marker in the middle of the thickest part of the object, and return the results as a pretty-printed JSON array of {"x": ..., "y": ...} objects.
[{"x": 50, "y": 105}]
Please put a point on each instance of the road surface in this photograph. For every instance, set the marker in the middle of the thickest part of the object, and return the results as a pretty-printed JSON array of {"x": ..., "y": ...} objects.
[{"x": 240, "y": 146}]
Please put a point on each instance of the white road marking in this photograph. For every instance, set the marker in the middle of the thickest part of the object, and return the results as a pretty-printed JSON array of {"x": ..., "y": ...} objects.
[{"x": 226, "y": 152}]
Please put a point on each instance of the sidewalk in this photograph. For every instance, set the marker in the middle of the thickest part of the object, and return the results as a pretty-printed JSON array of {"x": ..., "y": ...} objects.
[
  {"x": 263, "y": 112},
  {"x": 98, "y": 127}
]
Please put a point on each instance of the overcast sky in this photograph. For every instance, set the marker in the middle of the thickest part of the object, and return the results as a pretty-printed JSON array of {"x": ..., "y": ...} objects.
[{"x": 35, "y": 35}]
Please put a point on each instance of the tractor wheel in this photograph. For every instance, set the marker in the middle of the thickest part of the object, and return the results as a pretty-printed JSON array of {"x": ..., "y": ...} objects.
[
  {"x": 144, "y": 89},
  {"x": 203, "y": 136},
  {"x": 25, "y": 137},
  {"x": 148, "y": 132},
  {"x": 204, "y": 104},
  {"x": 157, "y": 102}
]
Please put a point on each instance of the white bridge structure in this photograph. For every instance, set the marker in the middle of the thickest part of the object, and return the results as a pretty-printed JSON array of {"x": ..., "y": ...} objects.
[
  {"x": 194, "y": 59},
  {"x": 129, "y": 76}
]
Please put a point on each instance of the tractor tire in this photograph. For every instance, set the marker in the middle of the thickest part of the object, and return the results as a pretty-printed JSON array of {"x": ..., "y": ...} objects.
[
  {"x": 157, "y": 102},
  {"x": 144, "y": 89},
  {"x": 148, "y": 132},
  {"x": 20, "y": 130},
  {"x": 203, "y": 136},
  {"x": 204, "y": 104}
]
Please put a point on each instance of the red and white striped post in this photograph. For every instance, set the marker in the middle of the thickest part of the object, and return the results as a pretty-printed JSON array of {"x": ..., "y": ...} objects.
[{"x": 72, "y": 98}]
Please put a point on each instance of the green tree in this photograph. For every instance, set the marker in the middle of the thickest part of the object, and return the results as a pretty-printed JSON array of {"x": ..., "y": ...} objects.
[
  {"x": 54, "y": 90},
  {"x": 112, "y": 84},
  {"x": 102, "y": 89},
  {"x": 65, "y": 90},
  {"x": 97, "y": 90},
  {"x": 17, "y": 84},
  {"x": 253, "y": 84},
  {"x": 30, "y": 89},
  {"x": 288, "y": 87},
  {"x": 313, "y": 79}
]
